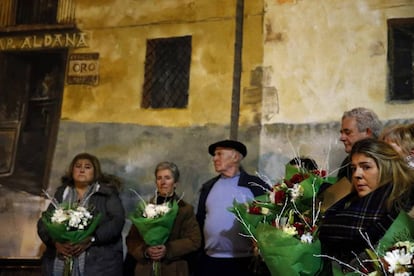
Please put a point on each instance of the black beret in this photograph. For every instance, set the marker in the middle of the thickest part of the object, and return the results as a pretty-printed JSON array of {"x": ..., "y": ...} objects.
[{"x": 240, "y": 147}]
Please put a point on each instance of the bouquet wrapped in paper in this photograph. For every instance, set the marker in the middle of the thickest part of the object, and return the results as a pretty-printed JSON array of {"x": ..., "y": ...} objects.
[
  {"x": 392, "y": 256},
  {"x": 68, "y": 223},
  {"x": 249, "y": 214},
  {"x": 154, "y": 222},
  {"x": 286, "y": 254},
  {"x": 283, "y": 222}
]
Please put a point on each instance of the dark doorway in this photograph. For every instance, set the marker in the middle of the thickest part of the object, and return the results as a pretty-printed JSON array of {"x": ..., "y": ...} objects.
[{"x": 31, "y": 88}]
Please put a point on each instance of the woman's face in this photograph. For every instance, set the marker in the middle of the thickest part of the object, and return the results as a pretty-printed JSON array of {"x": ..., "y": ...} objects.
[
  {"x": 365, "y": 174},
  {"x": 83, "y": 171},
  {"x": 165, "y": 182}
]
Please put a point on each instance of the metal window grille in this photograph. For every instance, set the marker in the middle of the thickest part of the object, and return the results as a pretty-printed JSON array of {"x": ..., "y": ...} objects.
[
  {"x": 401, "y": 59},
  {"x": 167, "y": 71},
  {"x": 32, "y": 12},
  {"x": 36, "y": 11}
]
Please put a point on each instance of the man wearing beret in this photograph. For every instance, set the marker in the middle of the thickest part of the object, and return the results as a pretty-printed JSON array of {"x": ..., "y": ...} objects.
[{"x": 225, "y": 251}]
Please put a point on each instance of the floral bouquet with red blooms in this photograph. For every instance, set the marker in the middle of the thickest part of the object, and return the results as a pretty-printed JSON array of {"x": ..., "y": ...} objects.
[
  {"x": 284, "y": 222},
  {"x": 69, "y": 223}
]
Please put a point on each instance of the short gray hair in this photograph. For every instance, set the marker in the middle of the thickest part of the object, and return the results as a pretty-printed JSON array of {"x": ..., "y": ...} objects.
[
  {"x": 168, "y": 166},
  {"x": 365, "y": 118}
]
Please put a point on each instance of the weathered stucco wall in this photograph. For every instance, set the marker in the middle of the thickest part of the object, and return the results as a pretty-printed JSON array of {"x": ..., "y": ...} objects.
[
  {"x": 131, "y": 152},
  {"x": 322, "y": 58},
  {"x": 119, "y": 35},
  {"x": 325, "y": 57}
]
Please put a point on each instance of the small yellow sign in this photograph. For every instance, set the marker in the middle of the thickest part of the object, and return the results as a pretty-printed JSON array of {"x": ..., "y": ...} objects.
[{"x": 83, "y": 68}]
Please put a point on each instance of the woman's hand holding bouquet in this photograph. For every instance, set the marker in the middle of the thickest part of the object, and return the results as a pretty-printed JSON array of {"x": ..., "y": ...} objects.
[
  {"x": 71, "y": 228},
  {"x": 154, "y": 222}
]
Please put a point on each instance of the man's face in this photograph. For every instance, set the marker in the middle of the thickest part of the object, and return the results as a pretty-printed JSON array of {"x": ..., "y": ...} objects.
[
  {"x": 350, "y": 133},
  {"x": 224, "y": 159}
]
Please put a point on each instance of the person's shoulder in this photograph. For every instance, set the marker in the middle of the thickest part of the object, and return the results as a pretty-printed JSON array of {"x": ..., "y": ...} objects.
[
  {"x": 112, "y": 182},
  {"x": 107, "y": 189},
  {"x": 185, "y": 205},
  {"x": 209, "y": 182},
  {"x": 61, "y": 188},
  {"x": 252, "y": 178}
]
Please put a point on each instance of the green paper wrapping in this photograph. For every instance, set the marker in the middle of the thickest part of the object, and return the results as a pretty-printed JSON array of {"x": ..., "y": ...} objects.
[
  {"x": 59, "y": 233},
  {"x": 250, "y": 221},
  {"x": 287, "y": 255},
  {"x": 401, "y": 229},
  {"x": 154, "y": 231},
  {"x": 291, "y": 171},
  {"x": 310, "y": 185}
]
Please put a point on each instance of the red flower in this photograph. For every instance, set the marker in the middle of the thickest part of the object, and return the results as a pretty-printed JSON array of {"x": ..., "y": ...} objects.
[
  {"x": 300, "y": 227},
  {"x": 280, "y": 197},
  {"x": 298, "y": 177},
  {"x": 289, "y": 183},
  {"x": 254, "y": 210},
  {"x": 321, "y": 173}
]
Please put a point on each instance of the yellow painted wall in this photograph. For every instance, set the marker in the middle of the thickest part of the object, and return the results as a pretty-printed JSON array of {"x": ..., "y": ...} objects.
[
  {"x": 328, "y": 56},
  {"x": 118, "y": 32}
]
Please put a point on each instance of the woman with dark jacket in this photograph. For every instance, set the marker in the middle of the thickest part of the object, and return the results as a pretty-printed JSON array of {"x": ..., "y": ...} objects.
[
  {"x": 383, "y": 185},
  {"x": 101, "y": 253},
  {"x": 184, "y": 239}
]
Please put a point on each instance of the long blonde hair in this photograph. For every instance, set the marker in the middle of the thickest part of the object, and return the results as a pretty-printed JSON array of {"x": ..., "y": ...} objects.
[
  {"x": 400, "y": 135},
  {"x": 393, "y": 169}
]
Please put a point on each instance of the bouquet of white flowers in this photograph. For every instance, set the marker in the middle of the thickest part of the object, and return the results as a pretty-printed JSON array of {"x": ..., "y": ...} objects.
[
  {"x": 68, "y": 223},
  {"x": 155, "y": 210},
  {"x": 392, "y": 256},
  {"x": 154, "y": 222}
]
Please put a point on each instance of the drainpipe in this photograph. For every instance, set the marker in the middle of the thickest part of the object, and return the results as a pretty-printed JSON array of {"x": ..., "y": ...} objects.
[{"x": 237, "y": 68}]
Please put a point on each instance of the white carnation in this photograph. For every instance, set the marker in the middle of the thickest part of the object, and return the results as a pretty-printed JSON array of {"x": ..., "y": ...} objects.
[
  {"x": 397, "y": 259},
  {"x": 59, "y": 216},
  {"x": 306, "y": 238},
  {"x": 155, "y": 211},
  {"x": 150, "y": 211}
]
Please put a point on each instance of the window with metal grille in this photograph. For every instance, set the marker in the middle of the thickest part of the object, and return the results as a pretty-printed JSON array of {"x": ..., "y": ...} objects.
[
  {"x": 36, "y": 11},
  {"x": 167, "y": 72},
  {"x": 401, "y": 59}
]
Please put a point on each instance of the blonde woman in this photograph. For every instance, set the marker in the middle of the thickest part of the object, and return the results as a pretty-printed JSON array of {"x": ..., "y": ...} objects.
[
  {"x": 401, "y": 138},
  {"x": 383, "y": 185}
]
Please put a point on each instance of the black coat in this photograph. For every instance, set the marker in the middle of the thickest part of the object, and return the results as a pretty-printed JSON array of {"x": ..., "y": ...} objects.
[
  {"x": 105, "y": 256},
  {"x": 256, "y": 185}
]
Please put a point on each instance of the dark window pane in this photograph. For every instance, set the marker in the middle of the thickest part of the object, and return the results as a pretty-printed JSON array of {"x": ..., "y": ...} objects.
[
  {"x": 36, "y": 11},
  {"x": 167, "y": 71},
  {"x": 400, "y": 59}
]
